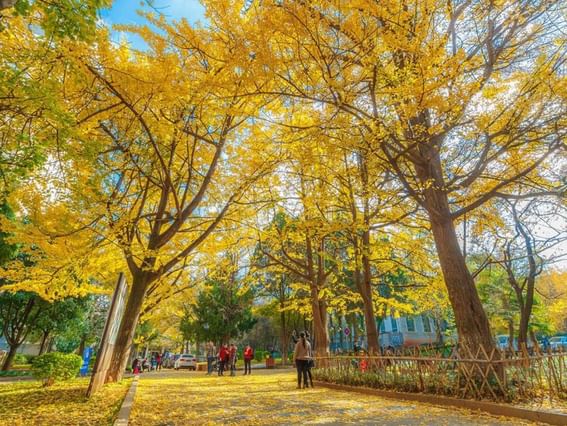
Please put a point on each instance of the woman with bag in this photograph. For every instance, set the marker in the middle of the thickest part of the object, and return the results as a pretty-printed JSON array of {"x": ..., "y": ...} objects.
[{"x": 301, "y": 357}]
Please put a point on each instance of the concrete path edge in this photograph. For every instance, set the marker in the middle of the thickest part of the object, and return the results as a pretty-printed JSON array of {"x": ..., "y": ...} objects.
[
  {"x": 126, "y": 407},
  {"x": 484, "y": 406}
]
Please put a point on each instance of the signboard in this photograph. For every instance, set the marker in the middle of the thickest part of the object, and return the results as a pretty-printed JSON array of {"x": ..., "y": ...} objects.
[
  {"x": 109, "y": 335},
  {"x": 87, "y": 354},
  {"x": 346, "y": 331}
]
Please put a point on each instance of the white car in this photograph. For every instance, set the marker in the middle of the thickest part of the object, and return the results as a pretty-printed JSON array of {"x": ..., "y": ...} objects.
[{"x": 186, "y": 361}]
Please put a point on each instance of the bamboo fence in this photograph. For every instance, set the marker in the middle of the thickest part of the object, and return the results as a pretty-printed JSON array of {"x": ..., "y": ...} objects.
[{"x": 457, "y": 371}]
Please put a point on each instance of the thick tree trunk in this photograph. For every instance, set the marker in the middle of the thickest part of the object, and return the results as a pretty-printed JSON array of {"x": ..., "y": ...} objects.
[
  {"x": 10, "y": 357},
  {"x": 471, "y": 320},
  {"x": 127, "y": 328},
  {"x": 320, "y": 338}
]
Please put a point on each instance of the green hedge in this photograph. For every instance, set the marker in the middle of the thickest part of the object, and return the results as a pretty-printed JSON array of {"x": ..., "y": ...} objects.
[
  {"x": 14, "y": 373},
  {"x": 56, "y": 366}
]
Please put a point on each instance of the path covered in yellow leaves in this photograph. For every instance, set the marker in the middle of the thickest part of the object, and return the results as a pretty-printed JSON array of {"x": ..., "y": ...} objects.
[{"x": 271, "y": 398}]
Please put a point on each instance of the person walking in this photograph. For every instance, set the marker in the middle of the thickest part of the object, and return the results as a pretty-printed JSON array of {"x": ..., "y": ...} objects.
[
  {"x": 301, "y": 357},
  {"x": 211, "y": 352},
  {"x": 248, "y": 356},
  {"x": 232, "y": 359},
  {"x": 223, "y": 359}
]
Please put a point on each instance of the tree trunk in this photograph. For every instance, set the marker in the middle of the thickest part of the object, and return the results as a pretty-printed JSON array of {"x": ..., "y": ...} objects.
[
  {"x": 10, "y": 357},
  {"x": 341, "y": 334},
  {"x": 363, "y": 281},
  {"x": 528, "y": 301},
  {"x": 373, "y": 340},
  {"x": 5, "y": 4},
  {"x": 320, "y": 332},
  {"x": 523, "y": 328},
  {"x": 355, "y": 335},
  {"x": 43, "y": 345},
  {"x": 127, "y": 328},
  {"x": 470, "y": 318},
  {"x": 283, "y": 334},
  {"x": 511, "y": 336},
  {"x": 82, "y": 345}
]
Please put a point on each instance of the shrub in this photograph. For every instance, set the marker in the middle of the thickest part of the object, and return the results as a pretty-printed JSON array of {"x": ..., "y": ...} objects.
[
  {"x": 20, "y": 359},
  {"x": 23, "y": 359},
  {"x": 56, "y": 366}
]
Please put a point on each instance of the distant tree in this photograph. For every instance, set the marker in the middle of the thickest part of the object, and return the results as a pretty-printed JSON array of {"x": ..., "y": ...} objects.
[
  {"x": 222, "y": 312},
  {"x": 57, "y": 318},
  {"x": 19, "y": 313}
]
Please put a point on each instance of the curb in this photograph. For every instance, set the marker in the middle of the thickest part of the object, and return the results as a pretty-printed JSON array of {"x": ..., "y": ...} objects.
[
  {"x": 444, "y": 401},
  {"x": 126, "y": 407}
]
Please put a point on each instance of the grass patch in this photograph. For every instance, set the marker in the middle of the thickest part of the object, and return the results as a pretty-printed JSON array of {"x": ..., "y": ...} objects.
[{"x": 65, "y": 403}]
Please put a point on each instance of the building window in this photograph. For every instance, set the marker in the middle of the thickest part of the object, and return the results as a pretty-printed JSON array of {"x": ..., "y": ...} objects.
[
  {"x": 426, "y": 324},
  {"x": 410, "y": 323},
  {"x": 394, "y": 323},
  {"x": 382, "y": 325}
]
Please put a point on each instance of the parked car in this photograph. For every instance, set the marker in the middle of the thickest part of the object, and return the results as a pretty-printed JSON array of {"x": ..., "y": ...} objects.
[
  {"x": 558, "y": 343},
  {"x": 186, "y": 361}
]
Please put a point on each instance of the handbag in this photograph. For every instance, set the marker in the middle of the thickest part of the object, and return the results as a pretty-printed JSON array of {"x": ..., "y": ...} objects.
[{"x": 311, "y": 363}]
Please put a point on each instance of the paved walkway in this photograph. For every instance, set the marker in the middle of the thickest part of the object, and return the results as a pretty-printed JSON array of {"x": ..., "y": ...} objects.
[{"x": 270, "y": 397}]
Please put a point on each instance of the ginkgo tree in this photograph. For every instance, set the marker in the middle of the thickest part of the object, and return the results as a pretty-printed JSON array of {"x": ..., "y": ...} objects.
[
  {"x": 34, "y": 119},
  {"x": 161, "y": 149},
  {"x": 462, "y": 101}
]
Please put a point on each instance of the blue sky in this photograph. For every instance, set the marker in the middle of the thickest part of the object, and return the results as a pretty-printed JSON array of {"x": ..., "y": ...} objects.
[{"x": 124, "y": 12}]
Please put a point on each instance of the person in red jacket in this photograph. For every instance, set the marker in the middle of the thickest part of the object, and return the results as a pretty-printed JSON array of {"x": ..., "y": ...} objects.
[
  {"x": 223, "y": 358},
  {"x": 248, "y": 355}
]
